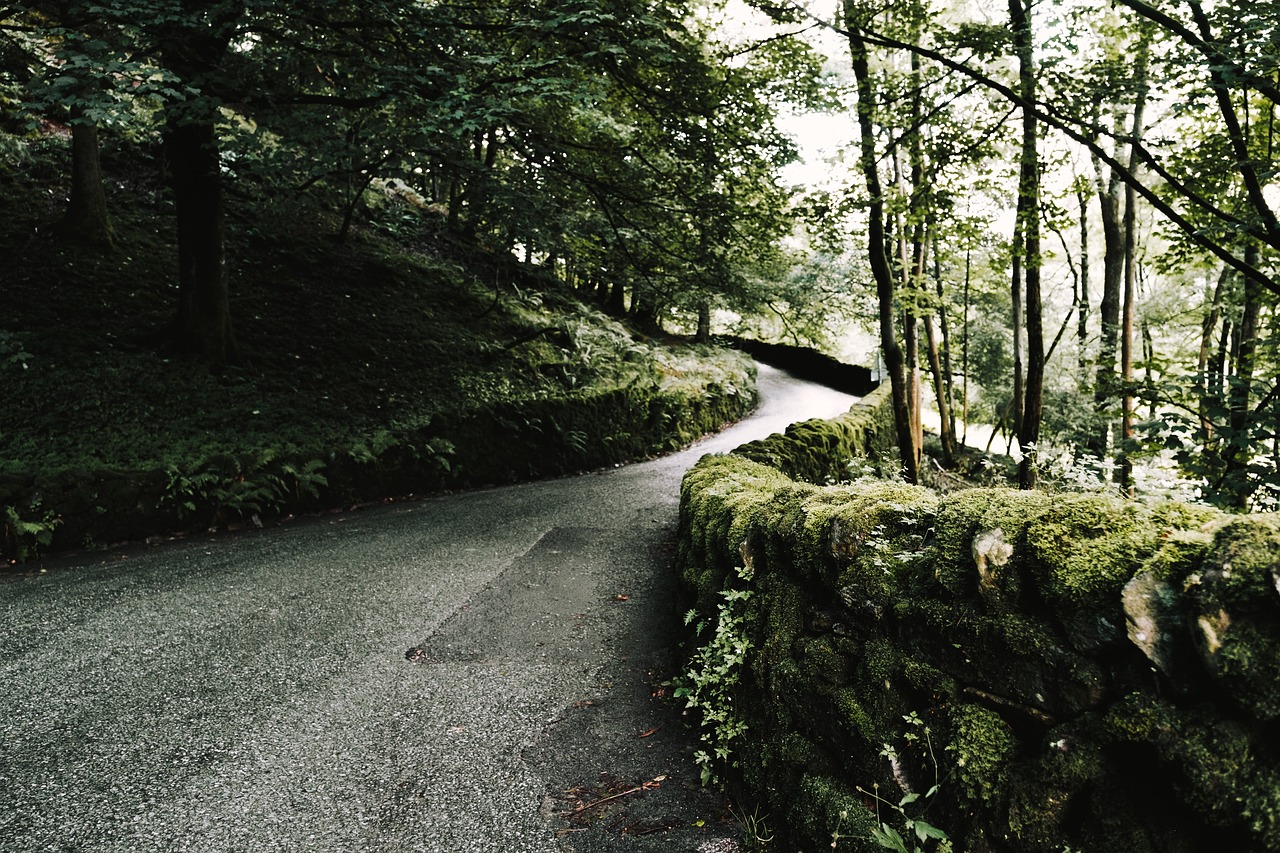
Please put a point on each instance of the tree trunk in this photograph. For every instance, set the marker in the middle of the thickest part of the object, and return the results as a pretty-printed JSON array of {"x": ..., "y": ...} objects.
[
  {"x": 704, "y": 322},
  {"x": 1210, "y": 382},
  {"x": 1238, "y": 453},
  {"x": 1124, "y": 464},
  {"x": 945, "y": 432},
  {"x": 1104, "y": 388},
  {"x": 86, "y": 221},
  {"x": 948, "y": 389},
  {"x": 964, "y": 346},
  {"x": 1082, "y": 319},
  {"x": 1029, "y": 217},
  {"x": 616, "y": 304},
  {"x": 193, "y": 47},
  {"x": 202, "y": 324},
  {"x": 877, "y": 257}
]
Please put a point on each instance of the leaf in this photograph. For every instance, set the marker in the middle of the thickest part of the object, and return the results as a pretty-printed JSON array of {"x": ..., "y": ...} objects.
[
  {"x": 925, "y": 831},
  {"x": 887, "y": 837}
]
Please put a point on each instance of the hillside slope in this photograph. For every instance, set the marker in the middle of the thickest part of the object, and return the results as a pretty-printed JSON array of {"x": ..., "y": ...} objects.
[{"x": 392, "y": 352}]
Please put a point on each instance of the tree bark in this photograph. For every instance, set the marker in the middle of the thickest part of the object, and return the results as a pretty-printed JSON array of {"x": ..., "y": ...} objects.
[
  {"x": 1029, "y": 218},
  {"x": 202, "y": 325},
  {"x": 877, "y": 257},
  {"x": 947, "y": 392},
  {"x": 1210, "y": 381},
  {"x": 1104, "y": 386},
  {"x": 1124, "y": 464},
  {"x": 1082, "y": 319},
  {"x": 87, "y": 220},
  {"x": 704, "y": 323},
  {"x": 193, "y": 48},
  {"x": 945, "y": 431},
  {"x": 1235, "y": 475}
]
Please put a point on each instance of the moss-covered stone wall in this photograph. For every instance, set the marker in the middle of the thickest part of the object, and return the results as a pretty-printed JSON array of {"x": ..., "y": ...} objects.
[
  {"x": 1068, "y": 671},
  {"x": 47, "y": 512}
]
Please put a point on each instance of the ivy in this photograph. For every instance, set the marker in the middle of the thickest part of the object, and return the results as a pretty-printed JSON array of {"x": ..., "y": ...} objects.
[{"x": 712, "y": 675}]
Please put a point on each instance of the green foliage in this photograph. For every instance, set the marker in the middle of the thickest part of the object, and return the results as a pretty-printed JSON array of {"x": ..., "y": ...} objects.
[
  {"x": 920, "y": 834},
  {"x": 243, "y": 486},
  {"x": 711, "y": 675},
  {"x": 24, "y": 538},
  {"x": 12, "y": 355},
  {"x": 1233, "y": 465}
]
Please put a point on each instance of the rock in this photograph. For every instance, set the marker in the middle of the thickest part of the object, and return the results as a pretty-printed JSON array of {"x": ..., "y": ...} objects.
[
  {"x": 992, "y": 553},
  {"x": 1237, "y": 615},
  {"x": 1153, "y": 619}
]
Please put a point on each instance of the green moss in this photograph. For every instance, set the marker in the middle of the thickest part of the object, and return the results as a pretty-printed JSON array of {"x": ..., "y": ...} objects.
[
  {"x": 784, "y": 617},
  {"x": 964, "y": 515},
  {"x": 1224, "y": 771},
  {"x": 854, "y": 720},
  {"x": 929, "y": 681},
  {"x": 878, "y": 665},
  {"x": 1245, "y": 556},
  {"x": 820, "y": 662},
  {"x": 1180, "y": 554},
  {"x": 983, "y": 746},
  {"x": 1247, "y": 661},
  {"x": 876, "y": 532},
  {"x": 823, "y": 806},
  {"x": 1088, "y": 546},
  {"x": 1237, "y": 612},
  {"x": 818, "y": 451},
  {"x": 1083, "y": 552}
]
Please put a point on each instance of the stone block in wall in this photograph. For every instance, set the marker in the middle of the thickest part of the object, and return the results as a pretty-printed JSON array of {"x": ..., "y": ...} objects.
[
  {"x": 1235, "y": 601},
  {"x": 1021, "y": 662},
  {"x": 980, "y": 544},
  {"x": 1222, "y": 769},
  {"x": 1082, "y": 553}
]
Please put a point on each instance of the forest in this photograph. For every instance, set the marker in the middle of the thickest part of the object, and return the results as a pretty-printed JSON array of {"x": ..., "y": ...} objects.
[{"x": 1057, "y": 218}]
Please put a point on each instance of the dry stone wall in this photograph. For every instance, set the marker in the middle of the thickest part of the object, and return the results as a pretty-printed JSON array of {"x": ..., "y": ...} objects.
[
  {"x": 44, "y": 512},
  {"x": 1030, "y": 672}
]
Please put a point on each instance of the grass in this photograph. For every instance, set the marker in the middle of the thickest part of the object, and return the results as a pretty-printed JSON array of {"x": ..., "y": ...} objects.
[{"x": 399, "y": 325}]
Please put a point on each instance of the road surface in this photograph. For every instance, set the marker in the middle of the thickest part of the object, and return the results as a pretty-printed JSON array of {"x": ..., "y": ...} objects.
[{"x": 471, "y": 672}]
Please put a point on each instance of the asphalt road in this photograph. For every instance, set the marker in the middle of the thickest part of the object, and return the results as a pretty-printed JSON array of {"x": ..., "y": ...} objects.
[{"x": 472, "y": 672}]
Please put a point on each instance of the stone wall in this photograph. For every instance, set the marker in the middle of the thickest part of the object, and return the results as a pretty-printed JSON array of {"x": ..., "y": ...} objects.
[
  {"x": 1029, "y": 672},
  {"x": 501, "y": 444}
]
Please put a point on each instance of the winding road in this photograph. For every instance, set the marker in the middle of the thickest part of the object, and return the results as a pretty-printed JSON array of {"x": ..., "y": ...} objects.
[{"x": 472, "y": 672}]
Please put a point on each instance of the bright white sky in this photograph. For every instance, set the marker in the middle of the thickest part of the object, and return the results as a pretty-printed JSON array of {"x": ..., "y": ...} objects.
[{"x": 819, "y": 136}]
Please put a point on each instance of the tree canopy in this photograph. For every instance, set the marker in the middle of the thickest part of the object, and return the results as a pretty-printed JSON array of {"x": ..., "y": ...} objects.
[{"x": 612, "y": 142}]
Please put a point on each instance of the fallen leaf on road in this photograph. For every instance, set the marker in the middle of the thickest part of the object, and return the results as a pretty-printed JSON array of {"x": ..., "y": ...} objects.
[
  {"x": 621, "y": 597},
  {"x": 651, "y": 731}
]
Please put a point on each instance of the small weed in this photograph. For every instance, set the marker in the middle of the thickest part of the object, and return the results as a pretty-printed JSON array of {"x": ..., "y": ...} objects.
[
  {"x": 756, "y": 835},
  {"x": 921, "y": 835}
]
